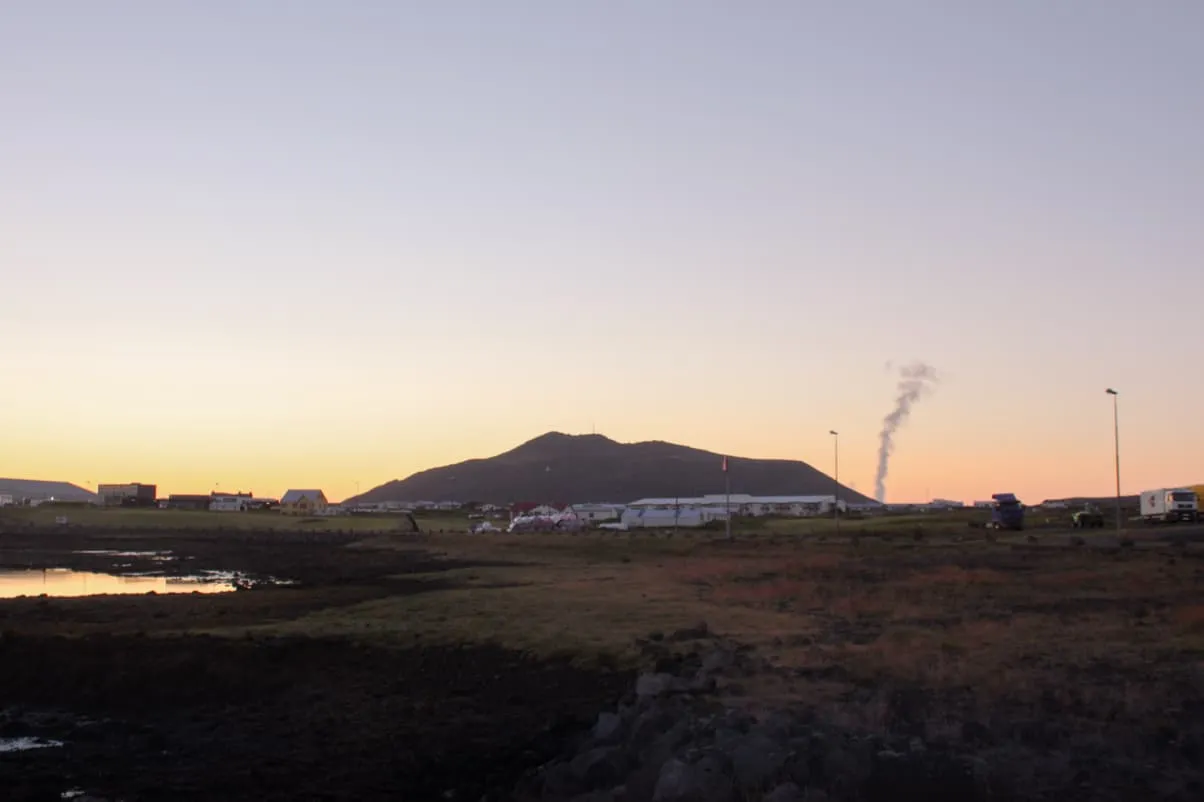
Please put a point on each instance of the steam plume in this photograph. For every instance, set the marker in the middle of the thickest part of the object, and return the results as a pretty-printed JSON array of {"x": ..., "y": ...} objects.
[{"x": 915, "y": 380}]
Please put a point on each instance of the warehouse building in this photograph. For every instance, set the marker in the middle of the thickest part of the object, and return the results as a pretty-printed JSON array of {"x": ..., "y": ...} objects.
[
  {"x": 37, "y": 491},
  {"x": 746, "y": 505},
  {"x": 187, "y": 501},
  {"x": 133, "y": 494}
]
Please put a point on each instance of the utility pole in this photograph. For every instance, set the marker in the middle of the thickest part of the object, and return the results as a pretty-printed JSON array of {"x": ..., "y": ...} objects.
[
  {"x": 1116, "y": 444},
  {"x": 727, "y": 490},
  {"x": 836, "y": 478}
]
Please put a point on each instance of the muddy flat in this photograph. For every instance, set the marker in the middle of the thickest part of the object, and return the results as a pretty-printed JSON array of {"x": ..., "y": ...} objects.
[{"x": 147, "y": 705}]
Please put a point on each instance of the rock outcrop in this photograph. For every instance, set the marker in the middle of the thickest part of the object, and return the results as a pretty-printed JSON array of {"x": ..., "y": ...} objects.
[{"x": 683, "y": 733}]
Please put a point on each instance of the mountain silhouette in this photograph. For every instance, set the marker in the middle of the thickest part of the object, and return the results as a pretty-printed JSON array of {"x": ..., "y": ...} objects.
[{"x": 557, "y": 467}]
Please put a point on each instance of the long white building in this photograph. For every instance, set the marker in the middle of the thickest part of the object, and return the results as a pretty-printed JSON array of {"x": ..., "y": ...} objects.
[{"x": 744, "y": 504}]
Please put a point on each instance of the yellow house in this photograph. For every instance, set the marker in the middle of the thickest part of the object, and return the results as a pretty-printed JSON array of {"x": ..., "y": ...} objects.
[{"x": 303, "y": 502}]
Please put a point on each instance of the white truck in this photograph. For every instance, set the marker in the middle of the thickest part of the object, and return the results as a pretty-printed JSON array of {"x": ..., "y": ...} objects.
[{"x": 1170, "y": 504}]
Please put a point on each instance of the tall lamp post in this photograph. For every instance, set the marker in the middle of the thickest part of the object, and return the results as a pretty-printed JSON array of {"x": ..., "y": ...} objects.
[
  {"x": 1116, "y": 443},
  {"x": 836, "y": 478}
]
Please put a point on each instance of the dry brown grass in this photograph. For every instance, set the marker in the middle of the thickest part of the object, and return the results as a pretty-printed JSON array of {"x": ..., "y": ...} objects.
[{"x": 1051, "y": 626}]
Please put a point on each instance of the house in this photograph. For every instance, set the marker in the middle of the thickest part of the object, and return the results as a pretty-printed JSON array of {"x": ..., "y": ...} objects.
[
  {"x": 6, "y": 500},
  {"x": 303, "y": 502}
]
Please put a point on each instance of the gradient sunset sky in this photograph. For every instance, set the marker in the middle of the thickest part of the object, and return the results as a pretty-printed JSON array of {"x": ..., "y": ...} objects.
[{"x": 260, "y": 245}]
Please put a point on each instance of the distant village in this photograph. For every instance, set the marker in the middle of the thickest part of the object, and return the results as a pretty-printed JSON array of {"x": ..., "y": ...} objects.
[{"x": 641, "y": 513}]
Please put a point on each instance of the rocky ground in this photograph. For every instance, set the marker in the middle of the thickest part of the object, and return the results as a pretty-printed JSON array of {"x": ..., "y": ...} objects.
[
  {"x": 972, "y": 673},
  {"x": 678, "y": 735}
]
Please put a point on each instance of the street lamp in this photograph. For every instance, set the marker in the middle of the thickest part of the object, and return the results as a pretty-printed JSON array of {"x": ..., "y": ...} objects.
[
  {"x": 1116, "y": 441},
  {"x": 836, "y": 478}
]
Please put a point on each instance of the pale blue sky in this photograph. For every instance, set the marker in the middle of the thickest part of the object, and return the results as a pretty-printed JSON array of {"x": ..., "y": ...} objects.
[{"x": 376, "y": 222}]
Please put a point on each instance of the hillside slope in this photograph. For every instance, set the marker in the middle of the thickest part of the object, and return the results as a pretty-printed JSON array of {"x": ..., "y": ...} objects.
[{"x": 590, "y": 467}]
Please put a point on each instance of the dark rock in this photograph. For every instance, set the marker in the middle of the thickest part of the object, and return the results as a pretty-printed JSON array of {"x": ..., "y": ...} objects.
[
  {"x": 703, "y": 781},
  {"x": 608, "y": 729},
  {"x": 786, "y": 792},
  {"x": 560, "y": 782},
  {"x": 647, "y": 727},
  {"x": 757, "y": 761},
  {"x": 612, "y": 795},
  {"x": 718, "y": 659},
  {"x": 599, "y": 768},
  {"x": 651, "y": 685},
  {"x": 679, "y": 736}
]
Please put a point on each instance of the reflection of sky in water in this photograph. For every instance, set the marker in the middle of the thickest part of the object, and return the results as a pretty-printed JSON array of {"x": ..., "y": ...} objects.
[
  {"x": 22, "y": 744},
  {"x": 65, "y": 582}
]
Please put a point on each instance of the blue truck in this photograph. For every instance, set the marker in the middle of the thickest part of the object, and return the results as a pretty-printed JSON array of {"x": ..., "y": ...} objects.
[{"x": 1007, "y": 513}]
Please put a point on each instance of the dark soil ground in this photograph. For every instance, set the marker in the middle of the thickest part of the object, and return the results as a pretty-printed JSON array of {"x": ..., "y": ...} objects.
[
  {"x": 148, "y": 708},
  {"x": 1072, "y": 669}
]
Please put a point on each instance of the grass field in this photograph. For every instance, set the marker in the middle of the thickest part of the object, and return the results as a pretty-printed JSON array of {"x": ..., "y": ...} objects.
[
  {"x": 1090, "y": 645},
  {"x": 175, "y": 520},
  {"x": 936, "y": 612}
]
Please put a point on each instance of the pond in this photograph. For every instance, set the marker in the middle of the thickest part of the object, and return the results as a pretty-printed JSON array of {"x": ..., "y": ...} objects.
[
  {"x": 65, "y": 582},
  {"x": 24, "y": 744}
]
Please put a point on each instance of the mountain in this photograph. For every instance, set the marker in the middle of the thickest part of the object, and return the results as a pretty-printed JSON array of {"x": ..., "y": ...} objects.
[{"x": 589, "y": 467}]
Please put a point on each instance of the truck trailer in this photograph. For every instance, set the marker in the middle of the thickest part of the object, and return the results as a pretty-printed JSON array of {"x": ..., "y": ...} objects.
[{"x": 1167, "y": 504}]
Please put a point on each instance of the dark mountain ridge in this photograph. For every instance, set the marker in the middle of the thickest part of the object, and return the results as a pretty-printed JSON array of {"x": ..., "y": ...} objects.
[{"x": 591, "y": 467}]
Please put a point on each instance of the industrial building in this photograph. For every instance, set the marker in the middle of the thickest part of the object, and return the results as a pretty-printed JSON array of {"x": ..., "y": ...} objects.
[
  {"x": 36, "y": 491},
  {"x": 663, "y": 518},
  {"x": 187, "y": 501},
  {"x": 132, "y": 494},
  {"x": 232, "y": 502},
  {"x": 746, "y": 505}
]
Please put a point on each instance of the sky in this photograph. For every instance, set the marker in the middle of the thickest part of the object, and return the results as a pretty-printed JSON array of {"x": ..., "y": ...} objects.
[{"x": 320, "y": 244}]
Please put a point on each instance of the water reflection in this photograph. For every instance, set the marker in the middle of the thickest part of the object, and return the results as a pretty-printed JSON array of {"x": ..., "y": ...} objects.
[
  {"x": 65, "y": 582},
  {"x": 24, "y": 744}
]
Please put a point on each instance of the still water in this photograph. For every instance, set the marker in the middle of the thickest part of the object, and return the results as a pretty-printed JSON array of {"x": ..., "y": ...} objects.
[
  {"x": 66, "y": 582},
  {"x": 25, "y": 744}
]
